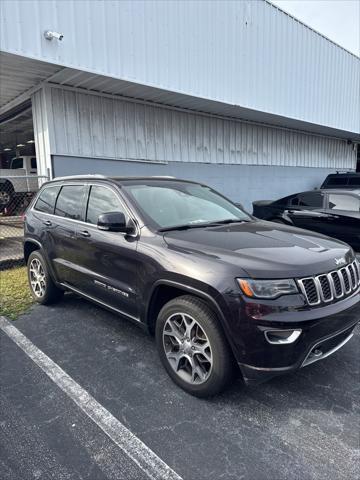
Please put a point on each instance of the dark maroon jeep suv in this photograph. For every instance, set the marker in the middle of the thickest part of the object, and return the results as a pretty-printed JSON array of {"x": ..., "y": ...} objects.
[{"x": 216, "y": 286}]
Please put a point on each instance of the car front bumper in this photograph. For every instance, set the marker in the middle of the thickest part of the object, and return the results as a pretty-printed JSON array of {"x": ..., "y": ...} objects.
[{"x": 324, "y": 330}]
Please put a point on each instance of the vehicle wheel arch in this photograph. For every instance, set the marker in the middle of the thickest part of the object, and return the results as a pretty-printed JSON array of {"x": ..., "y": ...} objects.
[
  {"x": 165, "y": 290},
  {"x": 7, "y": 185},
  {"x": 32, "y": 245},
  {"x": 29, "y": 247}
]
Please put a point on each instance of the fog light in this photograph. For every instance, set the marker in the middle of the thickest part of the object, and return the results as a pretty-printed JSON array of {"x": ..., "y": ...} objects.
[{"x": 282, "y": 337}]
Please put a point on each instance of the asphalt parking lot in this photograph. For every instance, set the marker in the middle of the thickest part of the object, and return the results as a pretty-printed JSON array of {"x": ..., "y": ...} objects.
[{"x": 302, "y": 426}]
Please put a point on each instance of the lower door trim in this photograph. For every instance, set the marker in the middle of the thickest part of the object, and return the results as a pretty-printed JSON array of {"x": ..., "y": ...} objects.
[{"x": 99, "y": 302}]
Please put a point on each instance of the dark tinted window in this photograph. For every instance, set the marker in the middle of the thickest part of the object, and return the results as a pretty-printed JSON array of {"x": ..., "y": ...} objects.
[
  {"x": 337, "y": 181},
  {"x": 354, "y": 181},
  {"x": 283, "y": 201},
  {"x": 69, "y": 202},
  {"x": 309, "y": 199},
  {"x": 17, "y": 163},
  {"x": 46, "y": 201},
  {"x": 101, "y": 200},
  {"x": 33, "y": 162},
  {"x": 344, "y": 202}
]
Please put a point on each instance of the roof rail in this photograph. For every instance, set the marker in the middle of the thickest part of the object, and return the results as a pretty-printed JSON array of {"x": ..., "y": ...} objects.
[{"x": 73, "y": 177}]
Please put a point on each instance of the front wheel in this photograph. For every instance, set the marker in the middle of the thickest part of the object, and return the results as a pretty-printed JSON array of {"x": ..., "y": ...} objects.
[
  {"x": 43, "y": 289},
  {"x": 192, "y": 346}
]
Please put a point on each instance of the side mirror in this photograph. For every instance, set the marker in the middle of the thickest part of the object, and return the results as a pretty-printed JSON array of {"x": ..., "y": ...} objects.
[{"x": 114, "y": 222}]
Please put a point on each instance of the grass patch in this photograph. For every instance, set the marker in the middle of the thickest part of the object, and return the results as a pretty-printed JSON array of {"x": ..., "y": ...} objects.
[{"x": 15, "y": 297}]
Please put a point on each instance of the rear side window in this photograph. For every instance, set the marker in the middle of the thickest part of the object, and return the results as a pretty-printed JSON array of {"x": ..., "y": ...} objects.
[
  {"x": 69, "y": 202},
  {"x": 344, "y": 202},
  {"x": 47, "y": 198},
  {"x": 339, "y": 181},
  {"x": 33, "y": 162},
  {"x": 354, "y": 181},
  {"x": 17, "y": 163},
  {"x": 101, "y": 200},
  {"x": 310, "y": 199}
]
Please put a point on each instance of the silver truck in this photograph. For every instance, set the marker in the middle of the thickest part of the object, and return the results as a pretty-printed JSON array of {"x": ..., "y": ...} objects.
[{"x": 18, "y": 181}]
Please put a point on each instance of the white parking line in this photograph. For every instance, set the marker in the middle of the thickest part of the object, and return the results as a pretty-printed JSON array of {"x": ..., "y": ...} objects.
[{"x": 134, "y": 448}]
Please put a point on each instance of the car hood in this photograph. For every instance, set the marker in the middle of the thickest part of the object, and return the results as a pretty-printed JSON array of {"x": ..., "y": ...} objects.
[{"x": 263, "y": 249}]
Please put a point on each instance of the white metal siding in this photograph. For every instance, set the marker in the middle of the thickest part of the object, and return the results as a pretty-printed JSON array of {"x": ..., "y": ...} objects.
[
  {"x": 101, "y": 127},
  {"x": 246, "y": 53},
  {"x": 42, "y": 137}
]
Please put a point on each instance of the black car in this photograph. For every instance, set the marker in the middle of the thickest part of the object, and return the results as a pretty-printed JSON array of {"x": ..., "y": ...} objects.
[
  {"x": 335, "y": 213},
  {"x": 342, "y": 180},
  {"x": 217, "y": 287}
]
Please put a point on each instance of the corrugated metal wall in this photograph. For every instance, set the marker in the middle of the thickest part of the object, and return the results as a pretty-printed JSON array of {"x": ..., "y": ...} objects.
[
  {"x": 246, "y": 53},
  {"x": 99, "y": 127},
  {"x": 40, "y": 110}
]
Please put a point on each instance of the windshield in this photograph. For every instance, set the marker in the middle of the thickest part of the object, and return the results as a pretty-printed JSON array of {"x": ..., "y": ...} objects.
[{"x": 170, "y": 204}]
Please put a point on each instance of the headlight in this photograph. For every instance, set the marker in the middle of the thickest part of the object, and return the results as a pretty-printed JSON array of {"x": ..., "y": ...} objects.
[{"x": 267, "y": 288}]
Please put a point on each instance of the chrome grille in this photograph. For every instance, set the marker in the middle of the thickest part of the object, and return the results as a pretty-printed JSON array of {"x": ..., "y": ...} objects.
[{"x": 331, "y": 286}]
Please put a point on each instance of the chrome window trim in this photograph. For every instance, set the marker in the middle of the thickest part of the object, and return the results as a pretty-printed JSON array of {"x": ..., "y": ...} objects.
[{"x": 81, "y": 222}]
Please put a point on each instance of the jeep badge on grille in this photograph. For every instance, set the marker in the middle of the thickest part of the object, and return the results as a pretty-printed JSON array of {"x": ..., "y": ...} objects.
[{"x": 340, "y": 261}]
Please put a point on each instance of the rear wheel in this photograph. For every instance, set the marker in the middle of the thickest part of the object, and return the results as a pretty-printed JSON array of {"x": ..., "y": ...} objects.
[
  {"x": 192, "y": 347},
  {"x": 43, "y": 289},
  {"x": 6, "y": 195}
]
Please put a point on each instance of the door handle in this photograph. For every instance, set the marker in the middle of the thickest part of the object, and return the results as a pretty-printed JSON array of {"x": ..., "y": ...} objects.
[
  {"x": 85, "y": 233},
  {"x": 47, "y": 223}
]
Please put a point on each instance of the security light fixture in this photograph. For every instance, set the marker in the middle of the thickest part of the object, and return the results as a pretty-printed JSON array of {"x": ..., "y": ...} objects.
[
  {"x": 20, "y": 145},
  {"x": 7, "y": 149},
  {"x": 49, "y": 35},
  {"x": 30, "y": 141}
]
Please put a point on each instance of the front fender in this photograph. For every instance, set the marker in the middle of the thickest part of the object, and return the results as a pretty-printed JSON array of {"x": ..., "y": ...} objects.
[{"x": 209, "y": 294}]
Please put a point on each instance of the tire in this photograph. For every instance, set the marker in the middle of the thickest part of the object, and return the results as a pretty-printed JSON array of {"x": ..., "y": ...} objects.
[
  {"x": 189, "y": 353},
  {"x": 42, "y": 287},
  {"x": 6, "y": 195}
]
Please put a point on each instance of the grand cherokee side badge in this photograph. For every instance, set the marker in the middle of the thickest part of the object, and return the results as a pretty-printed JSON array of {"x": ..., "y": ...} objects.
[
  {"x": 340, "y": 261},
  {"x": 111, "y": 289}
]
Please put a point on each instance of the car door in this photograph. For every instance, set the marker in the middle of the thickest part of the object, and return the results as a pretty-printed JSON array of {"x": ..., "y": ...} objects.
[
  {"x": 344, "y": 217},
  {"x": 109, "y": 260},
  {"x": 61, "y": 232},
  {"x": 307, "y": 210}
]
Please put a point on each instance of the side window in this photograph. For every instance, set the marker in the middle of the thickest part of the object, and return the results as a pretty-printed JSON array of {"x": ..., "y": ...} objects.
[
  {"x": 294, "y": 201},
  {"x": 354, "y": 181},
  {"x": 344, "y": 202},
  {"x": 17, "y": 163},
  {"x": 69, "y": 202},
  {"x": 101, "y": 200},
  {"x": 33, "y": 163},
  {"x": 339, "y": 181},
  {"x": 311, "y": 200},
  {"x": 47, "y": 198}
]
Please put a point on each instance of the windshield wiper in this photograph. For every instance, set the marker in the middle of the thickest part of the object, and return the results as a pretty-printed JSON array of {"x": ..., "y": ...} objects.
[
  {"x": 183, "y": 227},
  {"x": 187, "y": 226},
  {"x": 229, "y": 220}
]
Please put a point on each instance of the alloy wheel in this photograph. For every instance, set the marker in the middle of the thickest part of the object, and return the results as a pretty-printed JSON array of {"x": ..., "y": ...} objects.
[
  {"x": 4, "y": 197},
  {"x": 37, "y": 278},
  {"x": 187, "y": 348}
]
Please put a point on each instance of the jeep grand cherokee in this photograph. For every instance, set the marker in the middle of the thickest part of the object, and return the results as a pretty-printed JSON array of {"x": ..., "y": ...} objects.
[{"x": 217, "y": 287}]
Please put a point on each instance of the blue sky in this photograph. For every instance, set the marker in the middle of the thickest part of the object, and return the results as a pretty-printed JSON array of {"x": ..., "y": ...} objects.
[{"x": 339, "y": 20}]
